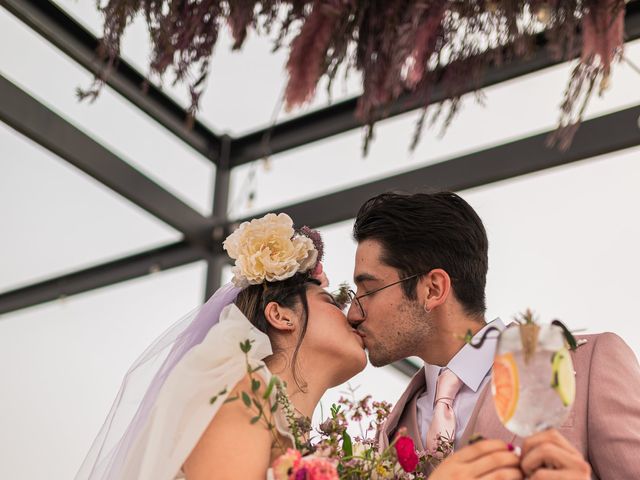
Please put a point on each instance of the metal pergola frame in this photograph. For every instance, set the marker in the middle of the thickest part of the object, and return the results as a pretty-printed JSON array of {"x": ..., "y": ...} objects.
[{"x": 203, "y": 235}]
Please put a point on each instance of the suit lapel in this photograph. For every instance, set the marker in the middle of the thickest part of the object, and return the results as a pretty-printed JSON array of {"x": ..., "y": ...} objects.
[
  {"x": 404, "y": 412},
  {"x": 410, "y": 420}
]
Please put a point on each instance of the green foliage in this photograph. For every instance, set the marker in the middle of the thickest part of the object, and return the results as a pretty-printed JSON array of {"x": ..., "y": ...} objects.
[{"x": 347, "y": 444}]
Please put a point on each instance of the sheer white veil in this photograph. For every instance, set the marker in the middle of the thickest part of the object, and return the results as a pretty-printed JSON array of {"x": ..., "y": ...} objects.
[{"x": 142, "y": 384}]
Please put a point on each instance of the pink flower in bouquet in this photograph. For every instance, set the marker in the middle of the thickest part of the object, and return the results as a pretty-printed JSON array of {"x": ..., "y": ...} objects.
[
  {"x": 284, "y": 465},
  {"x": 315, "y": 468},
  {"x": 407, "y": 456}
]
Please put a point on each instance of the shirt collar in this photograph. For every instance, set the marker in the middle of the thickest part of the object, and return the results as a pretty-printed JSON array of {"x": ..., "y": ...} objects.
[{"x": 470, "y": 364}]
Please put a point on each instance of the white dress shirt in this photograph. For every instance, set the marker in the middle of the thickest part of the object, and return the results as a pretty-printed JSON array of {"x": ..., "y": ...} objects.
[{"x": 473, "y": 367}]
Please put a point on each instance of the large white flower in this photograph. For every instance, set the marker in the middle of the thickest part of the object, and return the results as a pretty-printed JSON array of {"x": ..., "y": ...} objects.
[{"x": 267, "y": 249}]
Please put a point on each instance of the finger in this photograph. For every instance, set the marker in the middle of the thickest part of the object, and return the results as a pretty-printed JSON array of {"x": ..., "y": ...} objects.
[
  {"x": 549, "y": 455},
  {"x": 504, "y": 474},
  {"x": 479, "y": 449},
  {"x": 546, "y": 474},
  {"x": 547, "y": 436},
  {"x": 494, "y": 461}
]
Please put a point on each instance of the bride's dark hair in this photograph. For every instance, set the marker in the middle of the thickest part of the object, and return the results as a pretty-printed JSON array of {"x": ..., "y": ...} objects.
[{"x": 290, "y": 293}]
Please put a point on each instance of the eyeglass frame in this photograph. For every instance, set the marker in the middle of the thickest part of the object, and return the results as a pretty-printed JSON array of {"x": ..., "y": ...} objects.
[{"x": 355, "y": 298}]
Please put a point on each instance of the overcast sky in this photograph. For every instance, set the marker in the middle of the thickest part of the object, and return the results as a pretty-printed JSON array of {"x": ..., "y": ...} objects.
[{"x": 564, "y": 242}]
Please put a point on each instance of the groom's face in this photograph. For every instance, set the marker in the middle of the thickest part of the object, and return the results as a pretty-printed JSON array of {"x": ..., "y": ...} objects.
[{"x": 393, "y": 326}]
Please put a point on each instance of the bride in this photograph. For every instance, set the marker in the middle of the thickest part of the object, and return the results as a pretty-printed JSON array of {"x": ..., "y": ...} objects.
[
  {"x": 163, "y": 424},
  {"x": 173, "y": 417}
]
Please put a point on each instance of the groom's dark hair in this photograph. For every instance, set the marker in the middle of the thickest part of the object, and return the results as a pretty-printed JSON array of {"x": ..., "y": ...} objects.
[{"x": 422, "y": 231}]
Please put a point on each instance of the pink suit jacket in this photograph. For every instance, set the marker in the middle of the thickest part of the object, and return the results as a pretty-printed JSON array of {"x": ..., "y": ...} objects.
[{"x": 604, "y": 423}]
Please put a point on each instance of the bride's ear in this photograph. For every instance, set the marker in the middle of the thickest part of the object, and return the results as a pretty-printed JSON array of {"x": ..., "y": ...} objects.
[
  {"x": 280, "y": 318},
  {"x": 434, "y": 289}
]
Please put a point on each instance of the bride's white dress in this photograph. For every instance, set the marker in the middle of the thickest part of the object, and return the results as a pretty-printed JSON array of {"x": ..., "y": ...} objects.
[{"x": 183, "y": 410}]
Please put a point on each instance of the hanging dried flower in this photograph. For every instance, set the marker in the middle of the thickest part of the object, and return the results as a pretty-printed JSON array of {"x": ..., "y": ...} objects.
[
  {"x": 602, "y": 44},
  {"x": 306, "y": 63},
  {"x": 398, "y": 47}
]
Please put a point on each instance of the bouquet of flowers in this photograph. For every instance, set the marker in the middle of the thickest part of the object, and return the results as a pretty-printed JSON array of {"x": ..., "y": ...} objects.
[
  {"x": 329, "y": 452},
  {"x": 333, "y": 454}
]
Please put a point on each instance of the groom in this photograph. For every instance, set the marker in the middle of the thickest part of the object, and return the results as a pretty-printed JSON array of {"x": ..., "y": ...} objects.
[{"x": 420, "y": 273}]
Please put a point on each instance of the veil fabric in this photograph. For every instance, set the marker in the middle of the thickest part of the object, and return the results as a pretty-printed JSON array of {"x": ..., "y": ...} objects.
[{"x": 163, "y": 405}]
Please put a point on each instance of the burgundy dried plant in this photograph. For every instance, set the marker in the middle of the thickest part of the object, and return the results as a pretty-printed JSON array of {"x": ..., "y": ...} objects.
[
  {"x": 602, "y": 45},
  {"x": 403, "y": 49}
]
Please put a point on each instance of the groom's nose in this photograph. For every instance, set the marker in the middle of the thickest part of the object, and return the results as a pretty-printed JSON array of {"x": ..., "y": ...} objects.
[{"x": 354, "y": 316}]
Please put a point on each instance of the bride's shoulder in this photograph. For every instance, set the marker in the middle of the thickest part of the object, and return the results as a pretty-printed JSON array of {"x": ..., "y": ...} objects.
[
  {"x": 246, "y": 400},
  {"x": 236, "y": 432}
]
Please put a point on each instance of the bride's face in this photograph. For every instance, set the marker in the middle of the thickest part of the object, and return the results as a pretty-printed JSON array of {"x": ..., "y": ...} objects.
[{"x": 330, "y": 342}]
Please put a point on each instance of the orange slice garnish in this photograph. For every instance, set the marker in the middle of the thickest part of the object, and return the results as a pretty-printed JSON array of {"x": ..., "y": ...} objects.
[{"x": 505, "y": 386}]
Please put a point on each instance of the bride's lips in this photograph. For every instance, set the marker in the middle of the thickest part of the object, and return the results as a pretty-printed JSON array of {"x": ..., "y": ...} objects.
[
  {"x": 364, "y": 338},
  {"x": 360, "y": 337}
]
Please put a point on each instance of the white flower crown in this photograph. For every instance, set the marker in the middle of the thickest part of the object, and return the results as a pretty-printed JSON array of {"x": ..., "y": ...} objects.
[{"x": 269, "y": 249}]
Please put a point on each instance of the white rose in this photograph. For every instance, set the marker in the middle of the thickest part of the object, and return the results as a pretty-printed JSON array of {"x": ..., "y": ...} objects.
[{"x": 266, "y": 249}]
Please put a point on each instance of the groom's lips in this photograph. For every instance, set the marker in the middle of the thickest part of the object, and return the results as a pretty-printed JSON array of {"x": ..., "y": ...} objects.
[
  {"x": 361, "y": 335},
  {"x": 364, "y": 339}
]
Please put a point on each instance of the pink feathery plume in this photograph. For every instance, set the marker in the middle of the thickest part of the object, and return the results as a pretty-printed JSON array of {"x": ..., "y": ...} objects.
[
  {"x": 425, "y": 42},
  {"x": 306, "y": 62},
  {"x": 602, "y": 44},
  {"x": 374, "y": 58},
  {"x": 603, "y": 36},
  {"x": 390, "y": 54},
  {"x": 241, "y": 16}
]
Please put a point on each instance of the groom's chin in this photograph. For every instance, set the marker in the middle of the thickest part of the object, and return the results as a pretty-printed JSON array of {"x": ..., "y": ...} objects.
[
  {"x": 377, "y": 363},
  {"x": 378, "y": 360}
]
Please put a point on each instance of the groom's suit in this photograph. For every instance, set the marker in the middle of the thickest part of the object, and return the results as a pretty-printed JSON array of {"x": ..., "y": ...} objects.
[{"x": 604, "y": 423}]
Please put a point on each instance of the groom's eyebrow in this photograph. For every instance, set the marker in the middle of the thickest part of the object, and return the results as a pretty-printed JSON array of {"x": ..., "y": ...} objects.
[{"x": 364, "y": 277}]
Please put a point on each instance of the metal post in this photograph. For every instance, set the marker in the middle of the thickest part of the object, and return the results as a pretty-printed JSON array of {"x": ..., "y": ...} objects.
[{"x": 220, "y": 206}]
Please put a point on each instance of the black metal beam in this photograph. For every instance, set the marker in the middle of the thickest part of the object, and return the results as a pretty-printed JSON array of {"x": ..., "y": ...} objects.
[
  {"x": 56, "y": 26},
  {"x": 32, "y": 119},
  {"x": 219, "y": 213},
  {"x": 340, "y": 117},
  {"x": 134, "y": 266},
  {"x": 598, "y": 136}
]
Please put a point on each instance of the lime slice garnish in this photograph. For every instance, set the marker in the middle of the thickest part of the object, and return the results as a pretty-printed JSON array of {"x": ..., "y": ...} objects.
[{"x": 563, "y": 378}]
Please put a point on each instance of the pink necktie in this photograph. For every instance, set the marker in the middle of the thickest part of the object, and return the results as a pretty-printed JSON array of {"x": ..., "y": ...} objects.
[{"x": 444, "y": 420}]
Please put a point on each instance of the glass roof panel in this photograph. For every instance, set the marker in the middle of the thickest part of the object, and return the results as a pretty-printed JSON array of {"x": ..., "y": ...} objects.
[
  {"x": 62, "y": 364},
  {"x": 111, "y": 119},
  {"x": 564, "y": 242},
  {"x": 56, "y": 219}
]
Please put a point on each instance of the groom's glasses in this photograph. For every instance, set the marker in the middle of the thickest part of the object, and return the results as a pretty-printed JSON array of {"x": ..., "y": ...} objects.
[{"x": 355, "y": 299}]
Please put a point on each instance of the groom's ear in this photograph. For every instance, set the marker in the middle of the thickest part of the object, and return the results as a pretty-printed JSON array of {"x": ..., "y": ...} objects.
[
  {"x": 279, "y": 317},
  {"x": 434, "y": 289}
]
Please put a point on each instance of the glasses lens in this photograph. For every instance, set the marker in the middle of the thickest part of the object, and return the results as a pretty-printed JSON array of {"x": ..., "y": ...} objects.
[
  {"x": 343, "y": 298},
  {"x": 354, "y": 299}
]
